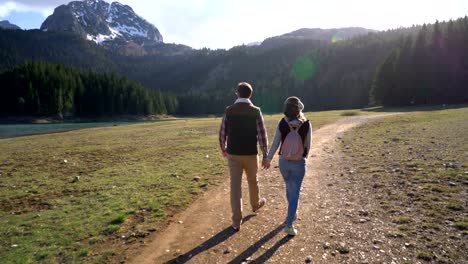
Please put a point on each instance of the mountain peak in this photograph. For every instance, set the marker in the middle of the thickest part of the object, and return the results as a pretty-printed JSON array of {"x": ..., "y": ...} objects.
[
  {"x": 5, "y": 24},
  {"x": 104, "y": 23}
]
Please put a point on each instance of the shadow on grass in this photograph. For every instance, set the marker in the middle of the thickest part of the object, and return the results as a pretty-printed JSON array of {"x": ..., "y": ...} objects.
[
  {"x": 253, "y": 248},
  {"x": 212, "y": 242},
  {"x": 416, "y": 108}
]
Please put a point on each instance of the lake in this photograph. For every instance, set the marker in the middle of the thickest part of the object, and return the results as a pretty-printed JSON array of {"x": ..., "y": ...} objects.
[{"x": 14, "y": 130}]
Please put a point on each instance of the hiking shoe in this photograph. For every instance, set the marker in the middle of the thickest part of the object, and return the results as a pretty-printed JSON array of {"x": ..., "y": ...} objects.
[
  {"x": 290, "y": 230},
  {"x": 261, "y": 203}
]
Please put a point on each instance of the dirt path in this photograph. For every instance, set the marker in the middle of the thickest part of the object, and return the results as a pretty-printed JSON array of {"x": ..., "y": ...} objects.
[{"x": 333, "y": 227}]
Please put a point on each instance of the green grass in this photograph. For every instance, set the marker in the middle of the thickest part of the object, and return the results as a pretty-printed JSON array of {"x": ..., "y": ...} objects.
[
  {"x": 416, "y": 164},
  {"x": 130, "y": 178}
]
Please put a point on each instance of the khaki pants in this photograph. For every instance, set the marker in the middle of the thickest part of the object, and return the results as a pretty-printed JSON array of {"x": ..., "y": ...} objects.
[{"x": 237, "y": 164}]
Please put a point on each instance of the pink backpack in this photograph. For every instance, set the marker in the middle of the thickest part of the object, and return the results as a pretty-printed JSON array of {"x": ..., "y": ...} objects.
[{"x": 293, "y": 147}]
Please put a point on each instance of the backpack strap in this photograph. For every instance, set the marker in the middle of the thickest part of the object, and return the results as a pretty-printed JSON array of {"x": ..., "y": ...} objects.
[{"x": 291, "y": 128}]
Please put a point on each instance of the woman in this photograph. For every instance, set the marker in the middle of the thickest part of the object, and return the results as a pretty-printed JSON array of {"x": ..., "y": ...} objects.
[{"x": 293, "y": 137}]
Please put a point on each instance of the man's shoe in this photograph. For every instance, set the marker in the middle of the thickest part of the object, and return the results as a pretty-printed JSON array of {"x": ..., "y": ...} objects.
[
  {"x": 261, "y": 203},
  {"x": 290, "y": 230}
]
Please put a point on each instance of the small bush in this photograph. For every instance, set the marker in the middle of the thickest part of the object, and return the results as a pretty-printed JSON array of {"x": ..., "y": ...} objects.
[
  {"x": 118, "y": 220},
  {"x": 437, "y": 189},
  {"x": 111, "y": 229},
  {"x": 401, "y": 220},
  {"x": 454, "y": 206},
  {"x": 41, "y": 256},
  {"x": 350, "y": 113},
  {"x": 397, "y": 234},
  {"x": 425, "y": 255},
  {"x": 96, "y": 240},
  {"x": 83, "y": 252},
  {"x": 404, "y": 228},
  {"x": 461, "y": 225}
]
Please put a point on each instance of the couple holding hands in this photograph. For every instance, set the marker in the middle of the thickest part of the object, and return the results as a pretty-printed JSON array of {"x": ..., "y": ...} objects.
[{"x": 242, "y": 129}]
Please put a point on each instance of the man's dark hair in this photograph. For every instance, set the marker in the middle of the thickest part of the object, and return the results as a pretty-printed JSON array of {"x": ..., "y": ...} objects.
[{"x": 244, "y": 90}]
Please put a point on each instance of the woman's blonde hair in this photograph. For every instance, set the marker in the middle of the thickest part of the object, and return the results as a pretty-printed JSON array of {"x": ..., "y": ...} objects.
[{"x": 293, "y": 109}]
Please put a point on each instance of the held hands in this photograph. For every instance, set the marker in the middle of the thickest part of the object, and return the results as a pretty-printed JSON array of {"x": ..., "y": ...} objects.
[{"x": 266, "y": 164}]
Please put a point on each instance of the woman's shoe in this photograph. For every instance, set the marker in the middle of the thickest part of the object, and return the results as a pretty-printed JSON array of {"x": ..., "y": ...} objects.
[
  {"x": 261, "y": 203},
  {"x": 290, "y": 230}
]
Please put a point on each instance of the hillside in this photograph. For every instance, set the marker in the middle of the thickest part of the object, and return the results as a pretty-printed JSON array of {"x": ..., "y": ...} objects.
[
  {"x": 200, "y": 75},
  {"x": 352, "y": 69},
  {"x": 332, "y": 35}
]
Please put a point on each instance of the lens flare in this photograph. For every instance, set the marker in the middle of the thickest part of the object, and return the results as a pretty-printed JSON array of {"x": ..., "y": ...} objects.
[
  {"x": 304, "y": 68},
  {"x": 336, "y": 38}
]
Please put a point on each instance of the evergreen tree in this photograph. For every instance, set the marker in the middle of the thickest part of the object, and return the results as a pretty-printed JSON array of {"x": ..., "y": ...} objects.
[{"x": 44, "y": 89}]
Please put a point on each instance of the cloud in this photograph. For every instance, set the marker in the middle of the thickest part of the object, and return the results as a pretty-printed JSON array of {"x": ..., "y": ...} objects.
[
  {"x": 6, "y": 7},
  {"x": 36, "y": 4}
]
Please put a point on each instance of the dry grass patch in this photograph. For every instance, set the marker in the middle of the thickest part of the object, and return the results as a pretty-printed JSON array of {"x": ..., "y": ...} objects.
[{"x": 418, "y": 169}]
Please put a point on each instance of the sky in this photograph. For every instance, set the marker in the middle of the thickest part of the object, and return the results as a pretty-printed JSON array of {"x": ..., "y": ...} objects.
[{"x": 224, "y": 24}]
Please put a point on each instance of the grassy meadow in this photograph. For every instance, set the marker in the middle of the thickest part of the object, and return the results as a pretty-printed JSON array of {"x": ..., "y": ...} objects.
[
  {"x": 65, "y": 195},
  {"x": 416, "y": 168}
]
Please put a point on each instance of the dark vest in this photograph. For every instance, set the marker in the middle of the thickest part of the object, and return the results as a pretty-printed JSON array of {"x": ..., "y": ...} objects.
[
  {"x": 284, "y": 129},
  {"x": 241, "y": 129}
]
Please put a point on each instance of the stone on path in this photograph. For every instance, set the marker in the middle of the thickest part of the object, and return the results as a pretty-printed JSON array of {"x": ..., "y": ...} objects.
[{"x": 227, "y": 250}]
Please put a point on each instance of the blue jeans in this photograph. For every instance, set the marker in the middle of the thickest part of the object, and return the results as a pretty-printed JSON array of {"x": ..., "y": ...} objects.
[{"x": 293, "y": 172}]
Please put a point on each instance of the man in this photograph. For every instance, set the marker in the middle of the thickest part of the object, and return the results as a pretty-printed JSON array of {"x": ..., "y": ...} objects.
[{"x": 242, "y": 127}]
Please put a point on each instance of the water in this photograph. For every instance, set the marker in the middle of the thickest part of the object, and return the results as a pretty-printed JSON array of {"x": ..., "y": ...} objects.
[{"x": 14, "y": 130}]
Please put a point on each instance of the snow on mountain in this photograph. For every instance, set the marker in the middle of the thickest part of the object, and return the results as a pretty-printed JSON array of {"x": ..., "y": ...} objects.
[{"x": 103, "y": 23}]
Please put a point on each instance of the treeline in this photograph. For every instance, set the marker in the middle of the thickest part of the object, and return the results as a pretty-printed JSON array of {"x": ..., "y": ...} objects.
[
  {"x": 45, "y": 89},
  {"x": 428, "y": 68},
  {"x": 419, "y": 64},
  {"x": 204, "y": 80},
  {"x": 324, "y": 75}
]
